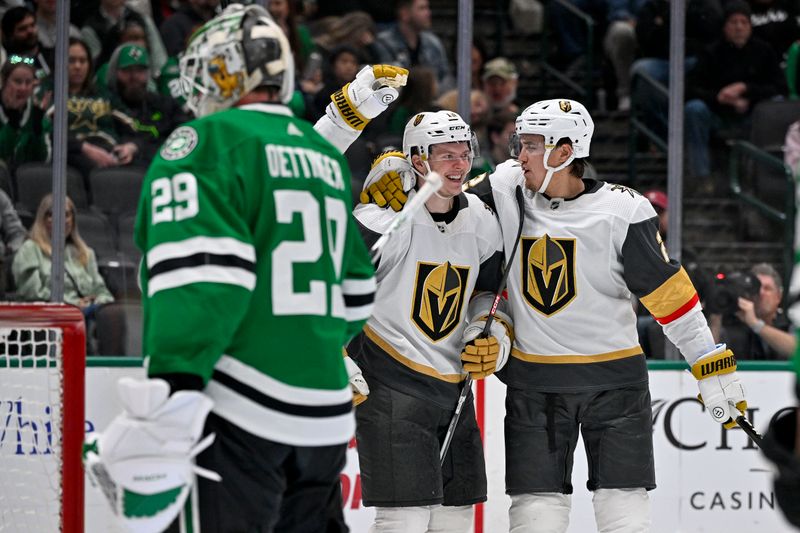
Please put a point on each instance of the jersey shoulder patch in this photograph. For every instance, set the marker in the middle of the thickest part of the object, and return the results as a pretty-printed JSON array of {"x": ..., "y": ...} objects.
[{"x": 180, "y": 143}]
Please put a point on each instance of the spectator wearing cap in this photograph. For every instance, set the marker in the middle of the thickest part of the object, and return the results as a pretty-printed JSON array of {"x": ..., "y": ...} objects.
[
  {"x": 658, "y": 199},
  {"x": 410, "y": 43},
  {"x": 732, "y": 75},
  {"x": 500, "y": 79},
  {"x": 106, "y": 28},
  {"x": 144, "y": 117},
  {"x": 20, "y": 36}
]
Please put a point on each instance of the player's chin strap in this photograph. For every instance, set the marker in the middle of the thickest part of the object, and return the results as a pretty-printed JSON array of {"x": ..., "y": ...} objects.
[{"x": 552, "y": 170}]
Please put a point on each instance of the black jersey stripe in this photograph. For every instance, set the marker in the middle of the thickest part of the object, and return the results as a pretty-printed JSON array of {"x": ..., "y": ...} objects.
[
  {"x": 201, "y": 259},
  {"x": 307, "y": 411},
  {"x": 358, "y": 300}
]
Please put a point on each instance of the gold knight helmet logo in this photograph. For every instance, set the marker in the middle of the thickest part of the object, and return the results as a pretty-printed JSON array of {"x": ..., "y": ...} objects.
[
  {"x": 438, "y": 298},
  {"x": 565, "y": 106},
  {"x": 548, "y": 273}
]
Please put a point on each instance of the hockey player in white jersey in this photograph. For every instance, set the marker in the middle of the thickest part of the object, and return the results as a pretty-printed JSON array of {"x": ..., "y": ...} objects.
[
  {"x": 576, "y": 364},
  {"x": 410, "y": 350}
]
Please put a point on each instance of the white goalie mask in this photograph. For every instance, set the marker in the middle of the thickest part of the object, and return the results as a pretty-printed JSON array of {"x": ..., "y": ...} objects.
[
  {"x": 231, "y": 55},
  {"x": 427, "y": 129}
]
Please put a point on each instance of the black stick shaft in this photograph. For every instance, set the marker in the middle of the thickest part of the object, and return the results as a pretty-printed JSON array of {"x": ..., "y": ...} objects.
[
  {"x": 467, "y": 386},
  {"x": 748, "y": 428}
]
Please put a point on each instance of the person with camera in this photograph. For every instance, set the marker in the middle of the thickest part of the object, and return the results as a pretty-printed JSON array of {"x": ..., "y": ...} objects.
[{"x": 745, "y": 313}]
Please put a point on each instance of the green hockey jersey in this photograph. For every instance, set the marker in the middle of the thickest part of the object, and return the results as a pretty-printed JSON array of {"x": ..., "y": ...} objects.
[{"x": 254, "y": 273}]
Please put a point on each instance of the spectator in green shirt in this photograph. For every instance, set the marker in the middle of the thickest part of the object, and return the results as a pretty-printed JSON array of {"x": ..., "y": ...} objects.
[{"x": 23, "y": 136}]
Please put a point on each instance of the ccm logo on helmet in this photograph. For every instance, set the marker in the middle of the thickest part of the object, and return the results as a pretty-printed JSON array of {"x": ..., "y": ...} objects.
[{"x": 457, "y": 128}]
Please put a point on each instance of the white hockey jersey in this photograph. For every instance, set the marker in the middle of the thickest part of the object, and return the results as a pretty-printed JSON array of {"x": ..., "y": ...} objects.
[
  {"x": 426, "y": 275},
  {"x": 578, "y": 262}
]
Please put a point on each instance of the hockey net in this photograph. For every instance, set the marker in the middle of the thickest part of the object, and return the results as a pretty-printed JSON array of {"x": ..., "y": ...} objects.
[{"x": 42, "y": 362}]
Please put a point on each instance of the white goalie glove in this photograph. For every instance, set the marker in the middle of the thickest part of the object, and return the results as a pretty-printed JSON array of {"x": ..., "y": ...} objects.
[
  {"x": 357, "y": 381},
  {"x": 720, "y": 389},
  {"x": 367, "y": 96},
  {"x": 144, "y": 460},
  {"x": 388, "y": 181}
]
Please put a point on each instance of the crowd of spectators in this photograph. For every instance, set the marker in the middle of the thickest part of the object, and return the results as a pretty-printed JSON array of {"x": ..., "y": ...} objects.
[{"x": 124, "y": 88}]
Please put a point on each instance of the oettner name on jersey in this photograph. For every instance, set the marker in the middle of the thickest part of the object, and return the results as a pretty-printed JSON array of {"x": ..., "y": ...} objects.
[{"x": 297, "y": 162}]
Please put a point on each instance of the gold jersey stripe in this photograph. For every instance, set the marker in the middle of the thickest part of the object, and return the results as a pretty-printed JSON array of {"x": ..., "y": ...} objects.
[
  {"x": 576, "y": 359},
  {"x": 405, "y": 361},
  {"x": 670, "y": 295}
]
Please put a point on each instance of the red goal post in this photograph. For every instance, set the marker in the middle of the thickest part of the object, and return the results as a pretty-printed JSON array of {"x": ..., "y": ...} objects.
[{"x": 42, "y": 402}]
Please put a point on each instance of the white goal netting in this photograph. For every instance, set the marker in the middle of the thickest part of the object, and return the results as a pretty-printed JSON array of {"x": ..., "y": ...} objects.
[{"x": 31, "y": 411}]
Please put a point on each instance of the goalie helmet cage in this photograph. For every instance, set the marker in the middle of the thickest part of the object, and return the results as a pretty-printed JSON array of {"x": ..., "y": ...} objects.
[{"x": 42, "y": 373}]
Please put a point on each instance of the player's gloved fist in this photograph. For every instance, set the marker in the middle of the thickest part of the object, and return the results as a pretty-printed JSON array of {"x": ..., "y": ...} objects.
[
  {"x": 720, "y": 389},
  {"x": 367, "y": 96},
  {"x": 388, "y": 180},
  {"x": 357, "y": 381},
  {"x": 144, "y": 460},
  {"x": 483, "y": 357}
]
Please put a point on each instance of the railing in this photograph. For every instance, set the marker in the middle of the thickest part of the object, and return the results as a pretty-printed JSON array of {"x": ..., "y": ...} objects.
[
  {"x": 586, "y": 90},
  {"x": 785, "y": 216}
]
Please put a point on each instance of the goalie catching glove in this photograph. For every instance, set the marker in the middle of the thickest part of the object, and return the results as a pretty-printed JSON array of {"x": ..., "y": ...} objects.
[
  {"x": 367, "y": 96},
  {"x": 144, "y": 460},
  {"x": 388, "y": 181},
  {"x": 720, "y": 389}
]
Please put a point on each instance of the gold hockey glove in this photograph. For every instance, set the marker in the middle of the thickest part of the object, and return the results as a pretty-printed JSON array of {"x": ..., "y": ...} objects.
[
  {"x": 483, "y": 357},
  {"x": 388, "y": 180}
]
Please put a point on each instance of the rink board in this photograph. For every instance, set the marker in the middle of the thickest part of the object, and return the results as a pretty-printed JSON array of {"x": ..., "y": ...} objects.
[{"x": 708, "y": 480}]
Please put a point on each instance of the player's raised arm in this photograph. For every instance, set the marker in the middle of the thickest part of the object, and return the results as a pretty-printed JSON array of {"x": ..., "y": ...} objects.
[{"x": 358, "y": 102}]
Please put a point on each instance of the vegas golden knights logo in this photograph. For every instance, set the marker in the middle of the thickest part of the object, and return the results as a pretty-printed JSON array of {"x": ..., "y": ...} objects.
[
  {"x": 438, "y": 298},
  {"x": 548, "y": 273},
  {"x": 418, "y": 119},
  {"x": 565, "y": 106}
]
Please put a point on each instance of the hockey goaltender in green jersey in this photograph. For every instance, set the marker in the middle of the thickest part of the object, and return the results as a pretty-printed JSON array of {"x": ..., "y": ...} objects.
[
  {"x": 233, "y": 227},
  {"x": 254, "y": 277}
]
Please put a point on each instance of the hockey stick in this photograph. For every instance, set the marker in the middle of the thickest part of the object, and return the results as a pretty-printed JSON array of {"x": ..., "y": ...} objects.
[
  {"x": 748, "y": 428},
  {"x": 451, "y": 429},
  {"x": 433, "y": 182},
  {"x": 743, "y": 423}
]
